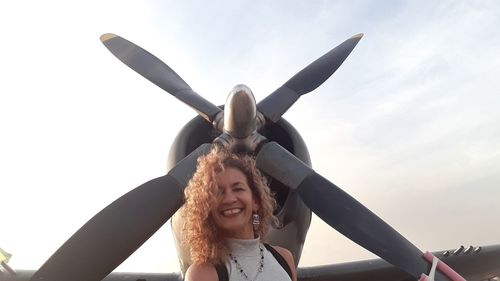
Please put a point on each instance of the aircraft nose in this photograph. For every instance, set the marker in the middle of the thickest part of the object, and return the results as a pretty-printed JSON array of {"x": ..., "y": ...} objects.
[{"x": 240, "y": 112}]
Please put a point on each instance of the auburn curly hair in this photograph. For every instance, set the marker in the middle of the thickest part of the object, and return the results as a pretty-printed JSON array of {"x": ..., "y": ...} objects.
[{"x": 201, "y": 235}]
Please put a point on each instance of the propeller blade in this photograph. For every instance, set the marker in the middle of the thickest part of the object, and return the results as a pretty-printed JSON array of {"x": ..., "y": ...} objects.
[
  {"x": 308, "y": 79},
  {"x": 156, "y": 71},
  {"x": 112, "y": 235},
  {"x": 341, "y": 211}
]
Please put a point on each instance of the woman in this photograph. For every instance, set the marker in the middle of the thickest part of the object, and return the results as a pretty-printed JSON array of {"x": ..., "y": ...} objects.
[{"x": 228, "y": 211}]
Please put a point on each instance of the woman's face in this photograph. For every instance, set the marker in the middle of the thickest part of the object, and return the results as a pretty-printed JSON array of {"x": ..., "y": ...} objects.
[{"x": 235, "y": 203}]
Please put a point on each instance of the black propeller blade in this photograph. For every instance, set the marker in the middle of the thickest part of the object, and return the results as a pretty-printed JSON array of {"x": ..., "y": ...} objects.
[
  {"x": 159, "y": 73},
  {"x": 112, "y": 235},
  {"x": 308, "y": 79},
  {"x": 341, "y": 211}
]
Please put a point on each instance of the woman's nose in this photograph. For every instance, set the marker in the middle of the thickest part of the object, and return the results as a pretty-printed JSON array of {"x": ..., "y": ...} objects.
[{"x": 228, "y": 197}]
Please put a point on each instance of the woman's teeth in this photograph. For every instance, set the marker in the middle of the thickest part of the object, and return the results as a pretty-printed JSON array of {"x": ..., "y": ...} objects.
[{"x": 231, "y": 212}]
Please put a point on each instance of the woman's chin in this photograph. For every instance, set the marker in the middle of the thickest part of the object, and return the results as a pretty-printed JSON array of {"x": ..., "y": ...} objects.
[{"x": 238, "y": 232}]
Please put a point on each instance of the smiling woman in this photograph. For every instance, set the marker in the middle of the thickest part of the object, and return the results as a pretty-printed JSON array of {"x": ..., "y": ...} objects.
[{"x": 228, "y": 211}]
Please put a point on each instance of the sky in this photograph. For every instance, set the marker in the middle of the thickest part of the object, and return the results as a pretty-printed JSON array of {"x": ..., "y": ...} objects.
[{"x": 407, "y": 125}]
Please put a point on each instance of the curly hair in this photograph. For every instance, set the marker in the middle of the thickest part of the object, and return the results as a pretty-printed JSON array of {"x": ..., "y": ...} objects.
[{"x": 201, "y": 234}]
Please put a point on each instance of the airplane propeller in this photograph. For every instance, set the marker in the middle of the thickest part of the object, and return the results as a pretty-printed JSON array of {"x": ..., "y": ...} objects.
[
  {"x": 307, "y": 80},
  {"x": 341, "y": 211},
  {"x": 156, "y": 71},
  {"x": 118, "y": 230}
]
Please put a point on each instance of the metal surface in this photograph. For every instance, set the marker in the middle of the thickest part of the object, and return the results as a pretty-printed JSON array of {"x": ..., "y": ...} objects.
[
  {"x": 240, "y": 122},
  {"x": 184, "y": 170},
  {"x": 458, "y": 250},
  {"x": 156, "y": 71},
  {"x": 278, "y": 163},
  {"x": 306, "y": 80},
  {"x": 240, "y": 112},
  {"x": 343, "y": 212},
  {"x": 468, "y": 250},
  {"x": 107, "y": 239}
]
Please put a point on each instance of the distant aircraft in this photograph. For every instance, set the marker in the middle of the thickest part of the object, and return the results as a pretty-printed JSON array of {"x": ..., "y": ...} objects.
[{"x": 245, "y": 126}]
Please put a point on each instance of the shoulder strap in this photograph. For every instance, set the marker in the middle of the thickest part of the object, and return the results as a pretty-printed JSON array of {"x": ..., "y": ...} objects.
[
  {"x": 280, "y": 259},
  {"x": 222, "y": 272}
]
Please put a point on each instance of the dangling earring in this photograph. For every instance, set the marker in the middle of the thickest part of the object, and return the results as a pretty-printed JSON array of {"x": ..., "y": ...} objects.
[{"x": 255, "y": 220}]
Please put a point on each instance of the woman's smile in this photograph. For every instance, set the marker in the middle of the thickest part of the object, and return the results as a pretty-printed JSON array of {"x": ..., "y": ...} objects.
[{"x": 231, "y": 212}]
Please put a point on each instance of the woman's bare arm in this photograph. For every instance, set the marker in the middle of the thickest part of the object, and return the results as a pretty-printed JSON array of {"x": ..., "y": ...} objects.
[
  {"x": 201, "y": 272},
  {"x": 287, "y": 255}
]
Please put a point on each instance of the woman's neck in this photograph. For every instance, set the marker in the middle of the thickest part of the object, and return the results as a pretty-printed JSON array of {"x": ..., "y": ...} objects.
[
  {"x": 246, "y": 234},
  {"x": 243, "y": 247}
]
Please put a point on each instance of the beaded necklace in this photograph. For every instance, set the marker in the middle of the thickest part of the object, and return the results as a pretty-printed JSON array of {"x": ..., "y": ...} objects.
[{"x": 240, "y": 268}]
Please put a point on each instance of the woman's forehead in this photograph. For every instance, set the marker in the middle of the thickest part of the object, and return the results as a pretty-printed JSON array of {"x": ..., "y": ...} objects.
[{"x": 231, "y": 175}]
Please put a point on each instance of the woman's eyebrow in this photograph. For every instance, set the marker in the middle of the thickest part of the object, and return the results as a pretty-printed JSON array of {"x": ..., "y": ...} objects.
[{"x": 237, "y": 183}]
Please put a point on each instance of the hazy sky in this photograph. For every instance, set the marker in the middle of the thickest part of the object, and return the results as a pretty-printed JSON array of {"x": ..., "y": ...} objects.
[{"x": 408, "y": 124}]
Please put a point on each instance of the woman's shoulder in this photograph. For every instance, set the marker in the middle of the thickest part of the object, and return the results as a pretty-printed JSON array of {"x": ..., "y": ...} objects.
[
  {"x": 288, "y": 257},
  {"x": 204, "y": 271},
  {"x": 284, "y": 252}
]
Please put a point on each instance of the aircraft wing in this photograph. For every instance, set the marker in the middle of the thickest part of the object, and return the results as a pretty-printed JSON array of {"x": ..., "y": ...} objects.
[
  {"x": 25, "y": 275},
  {"x": 481, "y": 265}
]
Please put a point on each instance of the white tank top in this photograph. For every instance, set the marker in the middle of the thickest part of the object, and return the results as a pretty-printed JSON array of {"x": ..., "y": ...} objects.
[{"x": 247, "y": 253}]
